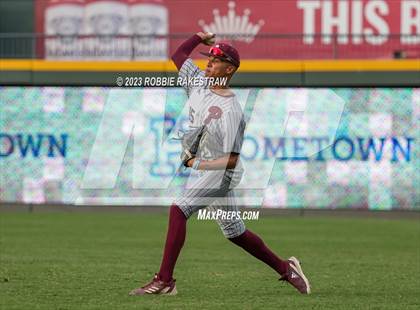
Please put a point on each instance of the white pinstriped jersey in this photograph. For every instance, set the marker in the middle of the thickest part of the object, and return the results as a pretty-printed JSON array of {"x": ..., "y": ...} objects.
[
  {"x": 222, "y": 115},
  {"x": 225, "y": 124}
]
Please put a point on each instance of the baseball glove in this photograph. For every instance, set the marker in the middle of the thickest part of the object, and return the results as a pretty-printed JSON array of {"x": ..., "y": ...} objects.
[{"x": 190, "y": 143}]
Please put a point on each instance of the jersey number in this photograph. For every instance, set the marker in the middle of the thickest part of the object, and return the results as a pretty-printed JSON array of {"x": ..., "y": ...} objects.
[{"x": 191, "y": 115}]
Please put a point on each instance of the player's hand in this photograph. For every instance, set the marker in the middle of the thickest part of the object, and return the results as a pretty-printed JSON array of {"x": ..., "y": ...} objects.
[
  {"x": 207, "y": 38},
  {"x": 190, "y": 162}
]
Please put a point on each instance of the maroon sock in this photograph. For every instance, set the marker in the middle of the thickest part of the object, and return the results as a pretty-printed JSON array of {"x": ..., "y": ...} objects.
[
  {"x": 253, "y": 244},
  {"x": 174, "y": 241}
]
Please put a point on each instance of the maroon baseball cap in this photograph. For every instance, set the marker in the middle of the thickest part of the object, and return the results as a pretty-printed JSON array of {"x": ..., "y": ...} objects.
[{"x": 226, "y": 52}]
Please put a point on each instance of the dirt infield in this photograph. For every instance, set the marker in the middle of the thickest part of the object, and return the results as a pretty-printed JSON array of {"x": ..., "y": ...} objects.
[{"x": 301, "y": 212}]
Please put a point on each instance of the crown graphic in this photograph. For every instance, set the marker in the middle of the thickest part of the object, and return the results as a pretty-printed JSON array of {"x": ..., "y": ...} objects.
[{"x": 233, "y": 26}]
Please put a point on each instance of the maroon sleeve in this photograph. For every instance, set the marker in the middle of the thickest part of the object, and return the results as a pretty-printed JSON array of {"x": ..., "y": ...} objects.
[{"x": 184, "y": 51}]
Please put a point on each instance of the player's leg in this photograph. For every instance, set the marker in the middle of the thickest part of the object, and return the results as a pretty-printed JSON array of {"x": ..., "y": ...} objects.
[
  {"x": 234, "y": 230},
  {"x": 255, "y": 246},
  {"x": 175, "y": 237},
  {"x": 201, "y": 192},
  {"x": 290, "y": 270},
  {"x": 234, "y": 226},
  {"x": 162, "y": 282}
]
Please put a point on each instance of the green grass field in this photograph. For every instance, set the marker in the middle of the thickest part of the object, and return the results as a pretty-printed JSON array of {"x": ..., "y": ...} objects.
[{"x": 92, "y": 260}]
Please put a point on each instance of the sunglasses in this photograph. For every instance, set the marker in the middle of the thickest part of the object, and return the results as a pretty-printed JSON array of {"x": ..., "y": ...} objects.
[{"x": 217, "y": 52}]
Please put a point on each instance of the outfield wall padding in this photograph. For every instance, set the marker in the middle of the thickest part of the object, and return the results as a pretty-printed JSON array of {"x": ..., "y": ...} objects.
[{"x": 303, "y": 147}]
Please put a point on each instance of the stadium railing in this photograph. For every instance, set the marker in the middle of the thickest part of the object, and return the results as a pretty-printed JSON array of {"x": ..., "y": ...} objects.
[{"x": 263, "y": 46}]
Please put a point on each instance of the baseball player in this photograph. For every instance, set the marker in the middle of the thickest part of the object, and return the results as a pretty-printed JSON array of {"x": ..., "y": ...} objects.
[{"x": 216, "y": 167}]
